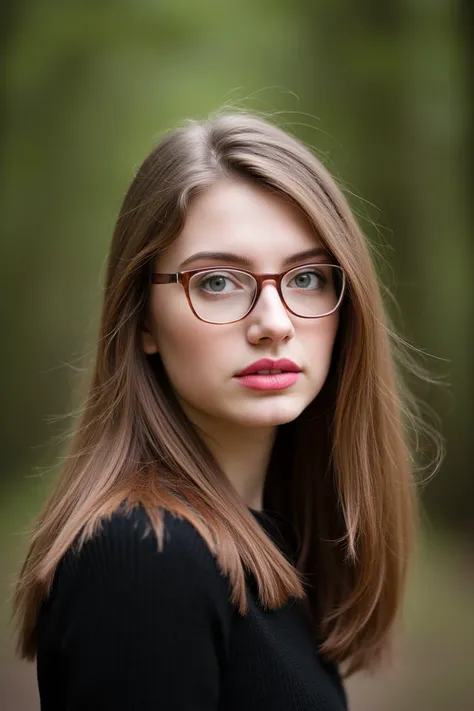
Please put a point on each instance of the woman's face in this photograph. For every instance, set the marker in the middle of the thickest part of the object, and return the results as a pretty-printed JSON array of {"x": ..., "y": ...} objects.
[{"x": 202, "y": 359}]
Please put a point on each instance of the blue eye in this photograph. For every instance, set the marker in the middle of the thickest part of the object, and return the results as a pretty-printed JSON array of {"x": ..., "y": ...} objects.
[
  {"x": 216, "y": 282},
  {"x": 319, "y": 278}
]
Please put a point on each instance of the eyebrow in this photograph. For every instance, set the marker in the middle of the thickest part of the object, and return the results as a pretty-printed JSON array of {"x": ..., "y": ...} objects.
[{"x": 242, "y": 261}]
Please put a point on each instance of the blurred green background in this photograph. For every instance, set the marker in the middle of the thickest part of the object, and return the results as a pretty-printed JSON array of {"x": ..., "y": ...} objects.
[{"x": 382, "y": 89}]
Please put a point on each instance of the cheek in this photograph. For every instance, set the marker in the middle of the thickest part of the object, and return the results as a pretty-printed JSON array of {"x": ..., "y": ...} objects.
[
  {"x": 189, "y": 348},
  {"x": 173, "y": 320},
  {"x": 320, "y": 340}
]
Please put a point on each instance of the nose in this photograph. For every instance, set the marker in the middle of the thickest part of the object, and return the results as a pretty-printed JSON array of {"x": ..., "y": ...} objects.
[{"x": 269, "y": 317}]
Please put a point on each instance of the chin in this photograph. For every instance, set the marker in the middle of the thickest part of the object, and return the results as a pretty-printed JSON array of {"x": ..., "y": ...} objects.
[{"x": 269, "y": 414}]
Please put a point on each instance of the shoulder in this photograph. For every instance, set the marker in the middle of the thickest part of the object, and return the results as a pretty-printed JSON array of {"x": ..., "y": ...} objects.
[
  {"x": 132, "y": 531},
  {"x": 125, "y": 616},
  {"x": 123, "y": 558}
]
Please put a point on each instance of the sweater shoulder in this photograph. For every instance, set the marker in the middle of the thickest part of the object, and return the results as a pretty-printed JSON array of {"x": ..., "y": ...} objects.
[
  {"x": 134, "y": 528},
  {"x": 124, "y": 619},
  {"x": 125, "y": 550}
]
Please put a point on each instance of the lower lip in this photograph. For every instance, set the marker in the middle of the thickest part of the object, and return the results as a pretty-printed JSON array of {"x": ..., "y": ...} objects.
[{"x": 278, "y": 381}]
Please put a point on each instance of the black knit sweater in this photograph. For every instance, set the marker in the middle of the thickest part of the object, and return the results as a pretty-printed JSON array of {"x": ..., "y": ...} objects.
[{"x": 128, "y": 628}]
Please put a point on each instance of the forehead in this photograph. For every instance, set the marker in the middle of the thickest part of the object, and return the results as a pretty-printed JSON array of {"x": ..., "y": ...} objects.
[{"x": 234, "y": 216}]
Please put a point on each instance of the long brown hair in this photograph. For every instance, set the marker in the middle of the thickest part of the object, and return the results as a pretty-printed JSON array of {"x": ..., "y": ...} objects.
[{"x": 343, "y": 472}]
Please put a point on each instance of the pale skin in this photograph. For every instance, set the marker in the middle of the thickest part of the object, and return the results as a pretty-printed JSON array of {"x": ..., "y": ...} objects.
[{"x": 201, "y": 359}]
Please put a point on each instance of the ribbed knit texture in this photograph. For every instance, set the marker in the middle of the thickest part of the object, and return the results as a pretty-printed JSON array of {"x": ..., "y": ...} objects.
[{"x": 128, "y": 628}]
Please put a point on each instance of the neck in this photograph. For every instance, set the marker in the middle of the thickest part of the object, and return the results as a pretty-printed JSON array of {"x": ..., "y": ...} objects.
[
  {"x": 245, "y": 461},
  {"x": 243, "y": 453}
]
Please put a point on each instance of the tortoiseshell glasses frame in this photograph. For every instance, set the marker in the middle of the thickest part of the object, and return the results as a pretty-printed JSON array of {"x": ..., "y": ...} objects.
[{"x": 184, "y": 278}]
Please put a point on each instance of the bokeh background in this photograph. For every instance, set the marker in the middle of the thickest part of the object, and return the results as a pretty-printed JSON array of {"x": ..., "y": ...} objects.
[{"x": 382, "y": 89}]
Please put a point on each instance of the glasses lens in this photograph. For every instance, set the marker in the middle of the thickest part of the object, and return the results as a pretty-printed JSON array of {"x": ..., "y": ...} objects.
[
  {"x": 313, "y": 290},
  {"x": 223, "y": 295}
]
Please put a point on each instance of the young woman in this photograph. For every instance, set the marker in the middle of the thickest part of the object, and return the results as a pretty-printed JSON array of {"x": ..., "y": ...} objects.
[{"x": 219, "y": 538}]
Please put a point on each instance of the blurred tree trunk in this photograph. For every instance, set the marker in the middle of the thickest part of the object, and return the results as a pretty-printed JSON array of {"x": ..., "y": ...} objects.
[
  {"x": 465, "y": 495},
  {"x": 443, "y": 130},
  {"x": 9, "y": 14}
]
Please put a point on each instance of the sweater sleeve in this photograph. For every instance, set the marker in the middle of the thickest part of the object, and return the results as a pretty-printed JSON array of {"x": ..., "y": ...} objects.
[{"x": 136, "y": 628}]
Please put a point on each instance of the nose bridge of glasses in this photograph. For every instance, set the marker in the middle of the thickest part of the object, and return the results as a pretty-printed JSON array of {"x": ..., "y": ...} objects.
[{"x": 270, "y": 280}]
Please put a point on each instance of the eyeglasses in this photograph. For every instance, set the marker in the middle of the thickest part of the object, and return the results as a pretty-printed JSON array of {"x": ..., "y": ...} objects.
[{"x": 226, "y": 295}]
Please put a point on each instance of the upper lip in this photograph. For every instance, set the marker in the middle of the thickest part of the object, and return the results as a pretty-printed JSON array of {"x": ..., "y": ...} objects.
[{"x": 268, "y": 364}]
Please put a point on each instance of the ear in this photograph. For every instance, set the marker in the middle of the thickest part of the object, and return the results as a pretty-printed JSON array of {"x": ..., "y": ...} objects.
[{"x": 148, "y": 342}]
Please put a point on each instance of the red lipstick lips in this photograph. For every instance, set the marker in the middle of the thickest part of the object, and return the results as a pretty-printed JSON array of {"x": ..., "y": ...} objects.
[{"x": 282, "y": 364}]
